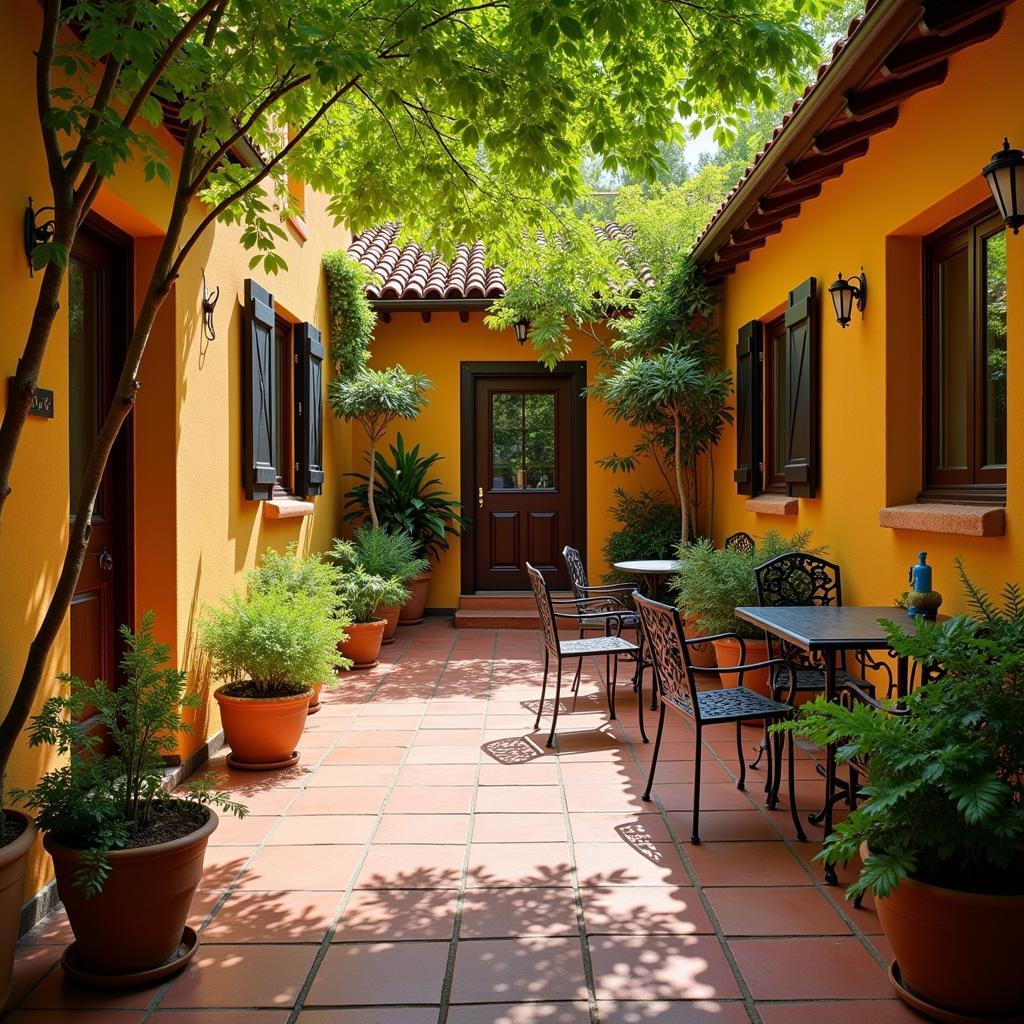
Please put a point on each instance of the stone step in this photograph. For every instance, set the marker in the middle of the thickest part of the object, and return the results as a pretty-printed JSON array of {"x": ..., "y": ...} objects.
[
  {"x": 497, "y": 618},
  {"x": 502, "y": 601}
]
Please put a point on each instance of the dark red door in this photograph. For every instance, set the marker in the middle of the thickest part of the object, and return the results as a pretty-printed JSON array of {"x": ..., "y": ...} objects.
[
  {"x": 98, "y": 310},
  {"x": 524, "y": 498}
]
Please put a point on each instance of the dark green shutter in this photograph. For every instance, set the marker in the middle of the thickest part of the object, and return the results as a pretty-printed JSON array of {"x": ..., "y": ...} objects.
[
  {"x": 259, "y": 391},
  {"x": 748, "y": 408},
  {"x": 801, "y": 462},
  {"x": 309, "y": 411}
]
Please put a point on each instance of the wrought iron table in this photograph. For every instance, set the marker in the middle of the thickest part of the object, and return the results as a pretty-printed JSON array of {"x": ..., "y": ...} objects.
[{"x": 827, "y": 631}]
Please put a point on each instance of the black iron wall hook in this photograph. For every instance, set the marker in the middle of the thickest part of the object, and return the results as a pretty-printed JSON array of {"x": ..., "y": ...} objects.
[
  {"x": 209, "y": 305},
  {"x": 36, "y": 234}
]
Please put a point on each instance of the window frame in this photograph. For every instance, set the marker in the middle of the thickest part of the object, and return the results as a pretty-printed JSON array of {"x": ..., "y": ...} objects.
[
  {"x": 977, "y": 483},
  {"x": 771, "y": 445},
  {"x": 284, "y": 460}
]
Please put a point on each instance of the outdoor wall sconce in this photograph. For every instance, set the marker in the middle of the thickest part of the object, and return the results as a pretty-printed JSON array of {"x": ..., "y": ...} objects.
[
  {"x": 845, "y": 293},
  {"x": 1005, "y": 176},
  {"x": 36, "y": 234},
  {"x": 522, "y": 329},
  {"x": 209, "y": 305}
]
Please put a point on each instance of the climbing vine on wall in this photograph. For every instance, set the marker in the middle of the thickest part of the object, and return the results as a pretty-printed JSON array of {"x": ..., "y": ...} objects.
[{"x": 351, "y": 317}]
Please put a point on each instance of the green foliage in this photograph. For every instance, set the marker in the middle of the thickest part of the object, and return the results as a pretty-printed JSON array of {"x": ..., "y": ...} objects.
[
  {"x": 281, "y": 635},
  {"x": 945, "y": 799},
  {"x": 409, "y": 501},
  {"x": 97, "y": 801},
  {"x": 393, "y": 554},
  {"x": 648, "y": 529},
  {"x": 713, "y": 583},
  {"x": 362, "y": 593},
  {"x": 352, "y": 318}
]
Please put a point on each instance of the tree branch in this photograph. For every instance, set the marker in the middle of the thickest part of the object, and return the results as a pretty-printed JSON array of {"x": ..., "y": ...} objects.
[{"x": 44, "y": 100}]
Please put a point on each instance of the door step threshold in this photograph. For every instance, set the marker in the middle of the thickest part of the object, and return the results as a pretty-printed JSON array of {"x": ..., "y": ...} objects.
[{"x": 497, "y": 618}]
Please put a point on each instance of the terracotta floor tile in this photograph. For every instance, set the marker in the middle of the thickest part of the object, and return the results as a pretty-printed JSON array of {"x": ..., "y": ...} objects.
[
  {"x": 389, "y": 723},
  {"x": 302, "y": 867},
  {"x": 642, "y": 910},
  {"x": 494, "y": 865},
  {"x": 758, "y": 863},
  {"x": 507, "y": 913},
  {"x": 83, "y": 1017},
  {"x": 353, "y": 775},
  {"x": 606, "y": 798},
  {"x": 890, "y": 1011},
  {"x": 822, "y": 968},
  {"x": 432, "y": 800},
  {"x": 620, "y": 863},
  {"x": 31, "y": 965},
  {"x": 377, "y": 738},
  {"x": 53, "y": 930},
  {"x": 732, "y": 826},
  {"x": 443, "y": 755},
  {"x": 541, "y": 771},
  {"x": 463, "y": 737},
  {"x": 703, "y": 1012},
  {"x": 242, "y": 976},
  {"x": 613, "y": 827},
  {"x": 318, "y": 829},
  {"x": 424, "y": 775},
  {"x": 203, "y": 901},
  {"x": 397, "y": 914},
  {"x": 223, "y": 864},
  {"x": 518, "y": 828},
  {"x": 412, "y": 867},
  {"x": 285, "y": 916},
  {"x": 339, "y": 800},
  {"x": 248, "y": 831},
  {"x": 518, "y": 970},
  {"x": 372, "y": 1015},
  {"x": 422, "y": 828},
  {"x": 775, "y": 910},
  {"x": 661, "y": 967},
  {"x": 58, "y": 992},
  {"x": 379, "y": 974},
  {"x": 519, "y": 800},
  {"x": 365, "y": 755},
  {"x": 521, "y": 1013}
]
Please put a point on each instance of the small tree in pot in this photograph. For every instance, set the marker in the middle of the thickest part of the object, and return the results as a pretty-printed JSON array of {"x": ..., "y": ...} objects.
[
  {"x": 127, "y": 854},
  {"x": 362, "y": 594}
]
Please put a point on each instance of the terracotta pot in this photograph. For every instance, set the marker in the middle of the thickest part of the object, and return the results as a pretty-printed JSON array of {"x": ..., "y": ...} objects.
[
  {"x": 137, "y": 921},
  {"x": 314, "y": 700},
  {"x": 727, "y": 653},
  {"x": 363, "y": 643},
  {"x": 956, "y": 951},
  {"x": 701, "y": 655},
  {"x": 413, "y": 609},
  {"x": 13, "y": 858},
  {"x": 389, "y": 613},
  {"x": 263, "y": 732}
]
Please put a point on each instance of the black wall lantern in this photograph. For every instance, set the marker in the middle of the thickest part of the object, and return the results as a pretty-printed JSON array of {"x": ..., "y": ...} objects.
[
  {"x": 36, "y": 234},
  {"x": 209, "y": 305},
  {"x": 1005, "y": 176},
  {"x": 845, "y": 293},
  {"x": 522, "y": 329}
]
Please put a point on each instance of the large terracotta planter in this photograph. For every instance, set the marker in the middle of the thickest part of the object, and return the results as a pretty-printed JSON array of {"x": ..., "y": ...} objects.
[
  {"x": 727, "y": 654},
  {"x": 13, "y": 858},
  {"x": 136, "y": 923},
  {"x": 701, "y": 655},
  {"x": 389, "y": 613},
  {"x": 957, "y": 952},
  {"x": 363, "y": 643},
  {"x": 263, "y": 732},
  {"x": 413, "y": 609}
]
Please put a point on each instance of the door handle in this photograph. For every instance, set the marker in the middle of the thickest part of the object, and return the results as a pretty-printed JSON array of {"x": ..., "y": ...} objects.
[
  {"x": 106, "y": 560},
  {"x": 479, "y": 497}
]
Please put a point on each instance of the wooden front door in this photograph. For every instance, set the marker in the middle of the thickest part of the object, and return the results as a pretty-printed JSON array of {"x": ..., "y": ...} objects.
[
  {"x": 98, "y": 322},
  {"x": 526, "y": 501}
]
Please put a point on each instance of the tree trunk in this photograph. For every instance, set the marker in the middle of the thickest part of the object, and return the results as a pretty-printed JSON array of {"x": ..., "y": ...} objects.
[
  {"x": 683, "y": 496},
  {"x": 370, "y": 481}
]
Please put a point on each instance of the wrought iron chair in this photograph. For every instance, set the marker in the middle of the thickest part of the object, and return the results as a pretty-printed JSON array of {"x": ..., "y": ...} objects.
[
  {"x": 674, "y": 676},
  {"x": 611, "y": 646},
  {"x": 741, "y": 541}
]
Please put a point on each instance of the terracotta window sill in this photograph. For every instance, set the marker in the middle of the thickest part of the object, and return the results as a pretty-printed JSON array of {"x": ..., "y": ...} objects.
[
  {"x": 298, "y": 225},
  {"x": 287, "y": 508},
  {"x": 962, "y": 520},
  {"x": 773, "y": 505}
]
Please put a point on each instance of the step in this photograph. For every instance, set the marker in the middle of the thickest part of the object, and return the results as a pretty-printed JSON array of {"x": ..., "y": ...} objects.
[
  {"x": 503, "y": 601},
  {"x": 497, "y": 618}
]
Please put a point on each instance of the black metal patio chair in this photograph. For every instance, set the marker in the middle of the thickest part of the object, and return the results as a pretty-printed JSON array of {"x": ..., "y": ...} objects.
[
  {"x": 611, "y": 646},
  {"x": 674, "y": 676}
]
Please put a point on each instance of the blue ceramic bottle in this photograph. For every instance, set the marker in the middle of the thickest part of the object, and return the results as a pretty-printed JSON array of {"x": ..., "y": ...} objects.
[{"x": 923, "y": 602}]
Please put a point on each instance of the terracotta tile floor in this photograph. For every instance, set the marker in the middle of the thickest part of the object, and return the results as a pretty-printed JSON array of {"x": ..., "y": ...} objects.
[{"x": 429, "y": 861}]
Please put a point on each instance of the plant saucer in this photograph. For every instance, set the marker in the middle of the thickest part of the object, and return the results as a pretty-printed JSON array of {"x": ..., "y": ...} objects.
[
  {"x": 262, "y": 766},
  {"x": 940, "y": 1013},
  {"x": 177, "y": 961}
]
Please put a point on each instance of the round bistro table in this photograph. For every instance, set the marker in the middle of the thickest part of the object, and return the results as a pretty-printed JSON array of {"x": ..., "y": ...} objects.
[{"x": 651, "y": 571}]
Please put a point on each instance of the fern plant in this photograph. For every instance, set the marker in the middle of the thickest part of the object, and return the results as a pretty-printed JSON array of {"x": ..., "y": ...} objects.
[
  {"x": 362, "y": 593},
  {"x": 945, "y": 800},
  {"x": 110, "y": 789},
  {"x": 312, "y": 575},
  {"x": 393, "y": 554}
]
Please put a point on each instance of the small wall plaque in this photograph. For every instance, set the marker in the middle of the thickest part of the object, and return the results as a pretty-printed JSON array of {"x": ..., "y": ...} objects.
[{"x": 42, "y": 401}]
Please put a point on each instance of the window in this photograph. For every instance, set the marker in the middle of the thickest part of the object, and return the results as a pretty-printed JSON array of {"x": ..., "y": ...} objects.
[
  {"x": 965, "y": 361},
  {"x": 522, "y": 440},
  {"x": 775, "y": 402}
]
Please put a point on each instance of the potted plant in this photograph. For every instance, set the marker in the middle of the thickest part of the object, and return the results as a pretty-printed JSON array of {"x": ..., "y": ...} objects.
[
  {"x": 17, "y": 835},
  {"x": 392, "y": 554},
  {"x": 273, "y": 644},
  {"x": 362, "y": 594},
  {"x": 941, "y": 830},
  {"x": 409, "y": 501},
  {"x": 712, "y": 583},
  {"x": 127, "y": 854}
]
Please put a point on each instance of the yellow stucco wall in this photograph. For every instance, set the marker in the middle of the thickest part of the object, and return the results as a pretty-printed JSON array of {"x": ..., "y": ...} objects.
[
  {"x": 195, "y": 534},
  {"x": 915, "y": 178},
  {"x": 438, "y": 349}
]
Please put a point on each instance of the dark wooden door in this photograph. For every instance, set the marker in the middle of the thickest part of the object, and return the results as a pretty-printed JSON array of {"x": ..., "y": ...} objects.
[
  {"x": 526, "y": 476},
  {"x": 98, "y": 318}
]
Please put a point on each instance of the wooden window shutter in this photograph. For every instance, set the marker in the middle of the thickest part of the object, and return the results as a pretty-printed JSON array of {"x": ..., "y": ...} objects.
[
  {"x": 309, "y": 411},
  {"x": 801, "y": 463},
  {"x": 748, "y": 408},
  {"x": 259, "y": 390}
]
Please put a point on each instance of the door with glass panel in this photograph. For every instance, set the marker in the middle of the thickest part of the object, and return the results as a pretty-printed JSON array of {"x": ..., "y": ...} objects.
[{"x": 526, "y": 486}]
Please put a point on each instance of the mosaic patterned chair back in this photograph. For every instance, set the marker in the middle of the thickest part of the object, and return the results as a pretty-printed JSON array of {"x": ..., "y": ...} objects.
[
  {"x": 544, "y": 610},
  {"x": 663, "y": 634},
  {"x": 741, "y": 542},
  {"x": 798, "y": 579},
  {"x": 577, "y": 571}
]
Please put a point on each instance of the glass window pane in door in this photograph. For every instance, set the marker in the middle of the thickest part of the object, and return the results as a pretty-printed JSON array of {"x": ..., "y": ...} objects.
[
  {"x": 539, "y": 440},
  {"x": 954, "y": 355},
  {"x": 506, "y": 439},
  {"x": 994, "y": 355},
  {"x": 83, "y": 373}
]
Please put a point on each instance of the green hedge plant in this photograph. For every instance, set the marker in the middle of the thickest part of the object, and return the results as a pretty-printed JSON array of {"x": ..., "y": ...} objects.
[
  {"x": 648, "y": 529},
  {"x": 352, "y": 317}
]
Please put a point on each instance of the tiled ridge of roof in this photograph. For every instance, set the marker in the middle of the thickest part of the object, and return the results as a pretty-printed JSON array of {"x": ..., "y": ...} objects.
[{"x": 411, "y": 273}]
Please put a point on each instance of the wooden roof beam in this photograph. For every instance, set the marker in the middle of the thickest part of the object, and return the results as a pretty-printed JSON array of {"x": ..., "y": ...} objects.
[
  {"x": 821, "y": 168},
  {"x": 837, "y": 136},
  {"x": 765, "y": 220},
  {"x": 943, "y": 17},
  {"x": 927, "y": 50},
  {"x": 873, "y": 99},
  {"x": 771, "y": 204},
  {"x": 741, "y": 236}
]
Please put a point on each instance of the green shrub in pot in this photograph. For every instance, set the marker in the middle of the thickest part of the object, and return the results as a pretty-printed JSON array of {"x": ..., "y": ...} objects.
[
  {"x": 362, "y": 593},
  {"x": 391, "y": 554}
]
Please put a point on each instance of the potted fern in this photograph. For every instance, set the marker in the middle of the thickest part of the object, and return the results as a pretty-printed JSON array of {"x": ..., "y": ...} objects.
[
  {"x": 127, "y": 854},
  {"x": 941, "y": 832},
  {"x": 272, "y": 644},
  {"x": 362, "y": 594}
]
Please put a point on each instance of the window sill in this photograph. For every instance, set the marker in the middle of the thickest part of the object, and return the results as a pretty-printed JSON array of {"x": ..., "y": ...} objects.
[
  {"x": 298, "y": 225},
  {"x": 773, "y": 505},
  {"x": 287, "y": 508},
  {"x": 960, "y": 520}
]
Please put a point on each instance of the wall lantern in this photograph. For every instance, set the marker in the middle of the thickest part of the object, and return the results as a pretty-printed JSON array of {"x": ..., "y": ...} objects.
[
  {"x": 209, "y": 305},
  {"x": 1005, "y": 176},
  {"x": 522, "y": 329},
  {"x": 845, "y": 293},
  {"x": 36, "y": 234}
]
